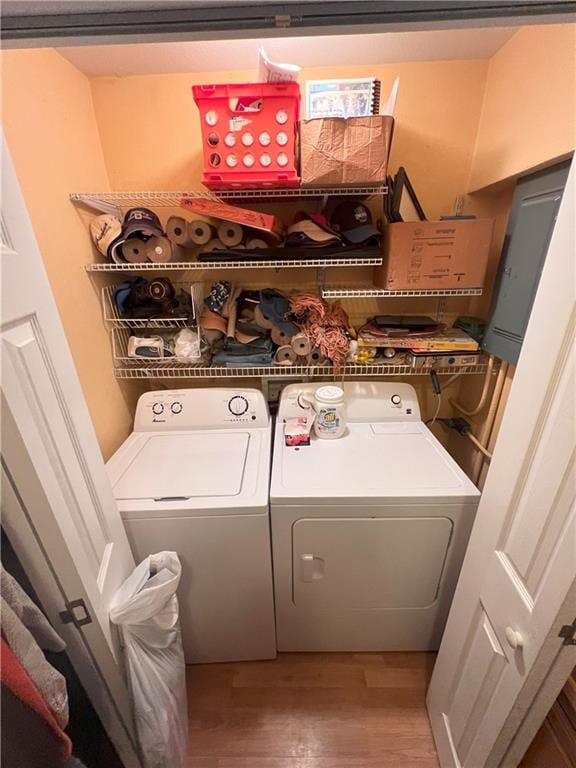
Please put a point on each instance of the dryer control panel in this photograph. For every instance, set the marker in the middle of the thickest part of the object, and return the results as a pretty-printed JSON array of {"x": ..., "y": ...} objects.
[
  {"x": 213, "y": 408},
  {"x": 364, "y": 401}
]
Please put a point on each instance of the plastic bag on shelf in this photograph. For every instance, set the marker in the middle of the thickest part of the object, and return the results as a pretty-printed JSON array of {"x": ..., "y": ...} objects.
[{"x": 146, "y": 608}]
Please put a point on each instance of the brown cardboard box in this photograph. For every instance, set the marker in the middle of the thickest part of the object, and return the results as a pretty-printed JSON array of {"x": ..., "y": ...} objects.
[
  {"x": 422, "y": 255},
  {"x": 345, "y": 150}
]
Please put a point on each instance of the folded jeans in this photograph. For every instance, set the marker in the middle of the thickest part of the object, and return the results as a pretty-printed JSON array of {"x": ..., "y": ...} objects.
[{"x": 243, "y": 361}]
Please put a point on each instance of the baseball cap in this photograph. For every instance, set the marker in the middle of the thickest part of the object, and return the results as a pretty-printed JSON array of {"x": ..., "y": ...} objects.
[
  {"x": 354, "y": 222},
  {"x": 317, "y": 218},
  {"x": 310, "y": 234},
  {"x": 137, "y": 222},
  {"x": 104, "y": 230},
  {"x": 115, "y": 251},
  {"x": 141, "y": 221},
  {"x": 275, "y": 306}
]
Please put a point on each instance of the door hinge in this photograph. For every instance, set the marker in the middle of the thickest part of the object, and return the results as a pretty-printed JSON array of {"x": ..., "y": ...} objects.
[
  {"x": 76, "y": 613},
  {"x": 568, "y": 632}
]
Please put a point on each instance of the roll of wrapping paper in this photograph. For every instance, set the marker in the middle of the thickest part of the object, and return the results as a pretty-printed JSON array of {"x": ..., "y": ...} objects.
[
  {"x": 230, "y": 234},
  {"x": 261, "y": 319},
  {"x": 161, "y": 288},
  {"x": 315, "y": 357},
  {"x": 159, "y": 250},
  {"x": 231, "y": 308},
  {"x": 279, "y": 336},
  {"x": 213, "y": 245},
  {"x": 200, "y": 232},
  {"x": 134, "y": 250},
  {"x": 255, "y": 243},
  {"x": 285, "y": 355},
  {"x": 301, "y": 344},
  {"x": 177, "y": 232}
]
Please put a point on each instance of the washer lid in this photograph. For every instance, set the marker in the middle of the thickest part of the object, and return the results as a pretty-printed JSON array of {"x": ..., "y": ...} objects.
[
  {"x": 398, "y": 459},
  {"x": 182, "y": 466}
]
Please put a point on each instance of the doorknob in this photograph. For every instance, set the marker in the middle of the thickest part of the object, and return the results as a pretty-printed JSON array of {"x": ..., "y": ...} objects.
[{"x": 514, "y": 638}]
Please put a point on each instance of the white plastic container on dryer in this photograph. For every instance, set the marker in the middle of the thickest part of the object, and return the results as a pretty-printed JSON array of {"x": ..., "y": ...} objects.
[{"x": 329, "y": 405}]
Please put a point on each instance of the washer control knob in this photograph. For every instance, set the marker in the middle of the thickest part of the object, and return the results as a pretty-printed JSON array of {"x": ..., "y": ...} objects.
[
  {"x": 396, "y": 399},
  {"x": 238, "y": 405},
  {"x": 158, "y": 408},
  {"x": 176, "y": 407}
]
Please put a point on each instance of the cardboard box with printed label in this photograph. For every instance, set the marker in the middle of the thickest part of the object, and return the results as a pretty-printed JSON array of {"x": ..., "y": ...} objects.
[
  {"x": 424, "y": 255},
  {"x": 345, "y": 150}
]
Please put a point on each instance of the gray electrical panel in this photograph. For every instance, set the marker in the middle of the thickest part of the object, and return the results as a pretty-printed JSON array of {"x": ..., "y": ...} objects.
[{"x": 532, "y": 217}]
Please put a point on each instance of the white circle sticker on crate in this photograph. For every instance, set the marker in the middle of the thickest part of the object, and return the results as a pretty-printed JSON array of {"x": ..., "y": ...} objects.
[
  {"x": 282, "y": 138},
  {"x": 247, "y": 139},
  {"x": 230, "y": 140},
  {"x": 265, "y": 139},
  {"x": 248, "y": 160},
  {"x": 265, "y": 159},
  {"x": 281, "y": 116},
  {"x": 211, "y": 117},
  {"x": 231, "y": 161},
  {"x": 282, "y": 159}
]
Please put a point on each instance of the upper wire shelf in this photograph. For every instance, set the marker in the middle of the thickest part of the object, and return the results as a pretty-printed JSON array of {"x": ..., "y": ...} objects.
[
  {"x": 170, "y": 369},
  {"x": 115, "y": 202},
  {"x": 370, "y": 292},
  {"x": 336, "y": 261}
]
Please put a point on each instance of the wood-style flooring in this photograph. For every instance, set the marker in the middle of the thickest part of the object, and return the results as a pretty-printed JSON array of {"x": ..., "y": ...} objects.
[{"x": 313, "y": 710}]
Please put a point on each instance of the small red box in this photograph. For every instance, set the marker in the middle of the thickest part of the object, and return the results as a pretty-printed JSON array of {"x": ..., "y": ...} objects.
[{"x": 249, "y": 134}]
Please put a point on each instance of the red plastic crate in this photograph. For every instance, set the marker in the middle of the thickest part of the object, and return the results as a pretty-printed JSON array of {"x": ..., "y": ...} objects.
[{"x": 249, "y": 134}]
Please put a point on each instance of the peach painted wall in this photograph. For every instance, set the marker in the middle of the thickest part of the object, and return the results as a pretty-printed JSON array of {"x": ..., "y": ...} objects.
[
  {"x": 529, "y": 110},
  {"x": 51, "y": 131},
  {"x": 150, "y": 134}
]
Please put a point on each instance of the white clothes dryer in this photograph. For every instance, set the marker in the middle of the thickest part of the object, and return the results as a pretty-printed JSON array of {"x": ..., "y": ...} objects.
[
  {"x": 193, "y": 477},
  {"x": 369, "y": 530}
]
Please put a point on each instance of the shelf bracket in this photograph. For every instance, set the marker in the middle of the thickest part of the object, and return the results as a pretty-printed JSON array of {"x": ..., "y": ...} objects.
[
  {"x": 282, "y": 21},
  {"x": 320, "y": 278},
  {"x": 440, "y": 309}
]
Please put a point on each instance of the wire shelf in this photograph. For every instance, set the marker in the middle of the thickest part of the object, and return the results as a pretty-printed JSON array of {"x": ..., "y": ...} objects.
[
  {"x": 172, "y": 369},
  {"x": 371, "y": 292},
  {"x": 115, "y": 320},
  {"x": 114, "y": 202},
  {"x": 368, "y": 261}
]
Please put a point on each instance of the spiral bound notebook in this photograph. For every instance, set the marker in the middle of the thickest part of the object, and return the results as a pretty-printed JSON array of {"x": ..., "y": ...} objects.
[{"x": 356, "y": 97}]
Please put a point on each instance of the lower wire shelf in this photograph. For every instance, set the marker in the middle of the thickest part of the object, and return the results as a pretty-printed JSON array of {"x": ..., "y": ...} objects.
[{"x": 176, "y": 370}]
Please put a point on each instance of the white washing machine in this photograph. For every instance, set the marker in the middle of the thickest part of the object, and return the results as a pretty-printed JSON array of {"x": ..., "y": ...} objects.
[
  {"x": 369, "y": 530},
  {"x": 193, "y": 478}
]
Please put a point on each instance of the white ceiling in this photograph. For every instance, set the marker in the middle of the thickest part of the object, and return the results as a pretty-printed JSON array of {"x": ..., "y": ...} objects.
[{"x": 212, "y": 56}]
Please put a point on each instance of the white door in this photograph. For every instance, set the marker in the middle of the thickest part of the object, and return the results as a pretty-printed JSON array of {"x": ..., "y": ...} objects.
[
  {"x": 55, "y": 483},
  {"x": 521, "y": 558}
]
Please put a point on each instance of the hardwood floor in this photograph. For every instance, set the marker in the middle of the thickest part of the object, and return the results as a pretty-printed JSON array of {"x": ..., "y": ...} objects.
[{"x": 312, "y": 710}]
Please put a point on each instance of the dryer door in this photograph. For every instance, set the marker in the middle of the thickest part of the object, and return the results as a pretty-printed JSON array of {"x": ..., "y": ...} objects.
[{"x": 369, "y": 563}]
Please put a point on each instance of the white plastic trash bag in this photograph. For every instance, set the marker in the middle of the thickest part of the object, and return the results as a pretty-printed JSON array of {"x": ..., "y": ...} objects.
[{"x": 146, "y": 607}]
